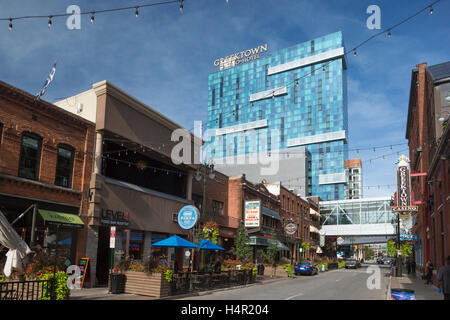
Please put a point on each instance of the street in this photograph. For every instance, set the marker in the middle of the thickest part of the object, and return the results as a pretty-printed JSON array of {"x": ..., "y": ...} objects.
[{"x": 341, "y": 284}]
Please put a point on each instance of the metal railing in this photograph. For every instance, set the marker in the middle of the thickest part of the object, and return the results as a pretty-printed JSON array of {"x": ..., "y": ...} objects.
[
  {"x": 188, "y": 282},
  {"x": 25, "y": 290}
]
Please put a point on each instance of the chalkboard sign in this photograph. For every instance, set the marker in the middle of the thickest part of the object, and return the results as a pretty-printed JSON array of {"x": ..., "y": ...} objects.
[{"x": 85, "y": 272}]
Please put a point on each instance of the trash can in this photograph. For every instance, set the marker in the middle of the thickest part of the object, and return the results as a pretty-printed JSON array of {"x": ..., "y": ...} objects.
[
  {"x": 402, "y": 294},
  {"x": 117, "y": 283},
  {"x": 260, "y": 269}
]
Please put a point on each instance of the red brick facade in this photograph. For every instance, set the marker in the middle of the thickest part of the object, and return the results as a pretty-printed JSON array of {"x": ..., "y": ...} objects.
[
  {"x": 429, "y": 156},
  {"x": 20, "y": 112}
]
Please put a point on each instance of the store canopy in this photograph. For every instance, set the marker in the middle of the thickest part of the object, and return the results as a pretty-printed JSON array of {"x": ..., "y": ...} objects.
[
  {"x": 313, "y": 229},
  {"x": 174, "y": 242},
  {"x": 270, "y": 213},
  {"x": 59, "y": 218},
  {"x": 208, "y": 245},
  {"x": 282, "y": 246}
]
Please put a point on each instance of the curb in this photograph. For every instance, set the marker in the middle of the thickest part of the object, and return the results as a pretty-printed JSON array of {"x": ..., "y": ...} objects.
[
  {"x": 207, "y": 292},
  {"x": 388, "y": 293}
]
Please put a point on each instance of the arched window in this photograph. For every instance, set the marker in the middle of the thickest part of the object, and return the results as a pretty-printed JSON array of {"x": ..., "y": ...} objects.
[
  {"x": 30, "y": 156},
  {"x": 64, "y": 166}
]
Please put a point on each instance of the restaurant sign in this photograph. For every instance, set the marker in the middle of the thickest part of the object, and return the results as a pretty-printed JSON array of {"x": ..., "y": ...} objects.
[
  {"x": 290, "y": 228},
  {"x": 115, "y": 218},
  {"x": 187, "y": 217},
  {"x": 403, "y": 204},
  {"x": 252, "y": 214},
  {"x": 240, "y": 57}
]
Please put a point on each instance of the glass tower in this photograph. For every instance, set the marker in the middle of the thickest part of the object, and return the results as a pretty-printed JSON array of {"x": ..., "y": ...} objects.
[{"x": 301, "y": 91}]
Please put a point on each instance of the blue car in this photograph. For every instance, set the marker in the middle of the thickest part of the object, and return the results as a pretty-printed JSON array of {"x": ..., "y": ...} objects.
[{"x": 307, "y": 268}]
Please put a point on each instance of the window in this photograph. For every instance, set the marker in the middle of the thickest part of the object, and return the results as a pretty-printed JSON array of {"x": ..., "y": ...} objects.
[
  {"x": 30, "y": 156},
  {"x": 221, "y": 87},
  {"x": 1, "y": 131},
  {"x": 64, "y": 166},
  {"x": 217, "y": 208},
  {"x": 213, "y": 102}
]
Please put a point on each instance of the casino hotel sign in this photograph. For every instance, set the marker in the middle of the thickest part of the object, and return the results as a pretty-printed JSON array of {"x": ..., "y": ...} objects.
[{"x": 240, "y": 57}]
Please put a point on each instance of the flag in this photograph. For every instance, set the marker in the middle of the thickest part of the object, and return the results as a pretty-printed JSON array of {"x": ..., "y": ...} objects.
[{"x": 47, "y": 82}]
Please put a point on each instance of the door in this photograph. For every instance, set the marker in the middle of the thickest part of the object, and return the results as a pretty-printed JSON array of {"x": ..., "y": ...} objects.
[{"x": 103, "y": 256}]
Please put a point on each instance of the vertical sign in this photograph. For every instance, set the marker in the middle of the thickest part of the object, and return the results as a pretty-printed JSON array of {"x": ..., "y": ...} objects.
[
  {"x": 403, "y": 206},
  {"x": 112, "y": 238},
  {"x": 252, "y": 214}
]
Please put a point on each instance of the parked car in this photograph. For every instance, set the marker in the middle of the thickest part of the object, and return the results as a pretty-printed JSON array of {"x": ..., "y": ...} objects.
[
  {"x": 380, "y": 261},
  {"x": 307, "y": 268},
  {"x": 352, "y": 263}
]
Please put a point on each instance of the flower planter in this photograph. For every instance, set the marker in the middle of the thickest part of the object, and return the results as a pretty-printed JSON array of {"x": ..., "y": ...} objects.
[{"x": 142, "y": 283}]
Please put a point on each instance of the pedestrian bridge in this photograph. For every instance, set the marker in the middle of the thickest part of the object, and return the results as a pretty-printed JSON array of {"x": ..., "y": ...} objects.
[{"x": 358, "y": 221}]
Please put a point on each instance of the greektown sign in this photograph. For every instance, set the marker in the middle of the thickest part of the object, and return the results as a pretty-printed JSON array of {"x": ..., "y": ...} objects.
[
  {"x": 240, "y": 57},
  {"x": 403, "y": 204}
]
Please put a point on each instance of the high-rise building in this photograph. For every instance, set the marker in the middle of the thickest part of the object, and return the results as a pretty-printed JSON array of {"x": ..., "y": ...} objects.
[
  {"x": 300, "y": 93},
  {"x": 354, "y": 187}
]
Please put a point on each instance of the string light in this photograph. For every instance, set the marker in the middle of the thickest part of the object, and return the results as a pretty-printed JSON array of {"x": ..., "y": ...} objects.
[
  {"x": 10, "y": 27},
  {"x": 137, "y": 11},
  {"x": 431, "y": 9},
  {"x": 389, "y": 34},
  {"x": 50, "y": 21},
  {"x": 181, "y": 6},
  {"x": 354, "y": 52},
  {"x": 92, "y": 17}
]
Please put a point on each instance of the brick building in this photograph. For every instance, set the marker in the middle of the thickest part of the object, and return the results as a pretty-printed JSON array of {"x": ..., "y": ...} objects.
[
  {"x": 216, "y": 204},
  {"x": 241, "y": 190},
  {"x": 46, "y": 157},
  {"x": 427, "y": 134}
]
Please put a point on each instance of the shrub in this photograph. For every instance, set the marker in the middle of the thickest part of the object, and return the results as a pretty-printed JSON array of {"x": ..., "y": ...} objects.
[
  {"x": 61, "y": 289},
  {"x": 288, "y": 268}
]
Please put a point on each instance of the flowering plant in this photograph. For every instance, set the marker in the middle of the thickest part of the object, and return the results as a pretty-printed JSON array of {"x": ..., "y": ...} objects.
[{"x": 211, "y": 230}]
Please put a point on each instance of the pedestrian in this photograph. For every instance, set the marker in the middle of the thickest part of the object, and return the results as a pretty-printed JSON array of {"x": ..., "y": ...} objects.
[
  {"x": 428, "y": 272},
  {"x": 408, "y": 266},
  {"x": 217, "y": 265},
  {"x": 163, "y": 261},
  {"x": 444, "y": 279},
  {"x": 413, "y": 267}
]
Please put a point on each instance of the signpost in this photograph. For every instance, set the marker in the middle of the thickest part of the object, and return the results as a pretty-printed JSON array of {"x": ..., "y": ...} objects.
[{"x": 112, "y": 244}]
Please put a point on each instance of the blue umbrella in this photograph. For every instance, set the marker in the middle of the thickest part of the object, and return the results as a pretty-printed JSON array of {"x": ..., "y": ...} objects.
[
  {"x": 175, "y": 242},
  {"x": 208, "y": 245}
]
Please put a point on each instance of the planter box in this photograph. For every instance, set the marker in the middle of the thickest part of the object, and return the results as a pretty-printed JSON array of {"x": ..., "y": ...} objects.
[{"x": 142, "y": 283}]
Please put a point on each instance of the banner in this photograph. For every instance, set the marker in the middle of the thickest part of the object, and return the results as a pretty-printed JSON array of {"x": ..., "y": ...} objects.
[{"x": 252, "y": 214}]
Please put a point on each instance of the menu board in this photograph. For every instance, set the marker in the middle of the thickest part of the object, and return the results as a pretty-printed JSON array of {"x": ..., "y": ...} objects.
[{"x": 85, "y": 273}]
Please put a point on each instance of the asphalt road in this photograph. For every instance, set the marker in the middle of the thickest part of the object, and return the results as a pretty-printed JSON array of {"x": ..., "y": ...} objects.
[{"x": 341, "y": 284}]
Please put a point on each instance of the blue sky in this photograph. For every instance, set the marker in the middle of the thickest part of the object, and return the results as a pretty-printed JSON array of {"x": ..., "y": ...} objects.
[{"x": 163, "y": 58}]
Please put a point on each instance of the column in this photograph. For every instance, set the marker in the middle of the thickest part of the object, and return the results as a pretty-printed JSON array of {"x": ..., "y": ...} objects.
[
  {"x": 147, "y": 245},
  {"x": 189, "y": 186},
  {"x": 98, "y": 153},
  {"x": 91, "y": 250}
]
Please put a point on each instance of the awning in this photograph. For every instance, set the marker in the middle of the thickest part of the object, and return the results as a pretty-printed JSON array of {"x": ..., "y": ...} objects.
[
  {"x": 270, "y": 213},
  {"x": 313, "y": 212},
  {"x": 62, "y": 219},
  {"x": 282, "y": 246},
  {"x": 313, "y": 229}
]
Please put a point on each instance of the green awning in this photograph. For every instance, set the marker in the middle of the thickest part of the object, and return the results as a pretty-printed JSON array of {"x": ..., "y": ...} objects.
[{"x": 64, "y": 219}]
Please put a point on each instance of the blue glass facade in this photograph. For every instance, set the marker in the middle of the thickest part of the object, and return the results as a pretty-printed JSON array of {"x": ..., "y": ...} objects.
[{"x": 311, "y": 101}]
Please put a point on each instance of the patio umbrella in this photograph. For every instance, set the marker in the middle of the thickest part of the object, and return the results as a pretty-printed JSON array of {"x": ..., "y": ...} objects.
[
  {"x": 18, "y": 249},
  {"x": 208, "y": 245},
  {"x": 174, "y": 242}
]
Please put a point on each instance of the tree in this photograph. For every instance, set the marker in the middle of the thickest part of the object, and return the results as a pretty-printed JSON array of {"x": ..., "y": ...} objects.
[
  {"x": 241, "y": 249},
  {"x": 271, "y": 254},
  {"x": 369, "y": 253}
]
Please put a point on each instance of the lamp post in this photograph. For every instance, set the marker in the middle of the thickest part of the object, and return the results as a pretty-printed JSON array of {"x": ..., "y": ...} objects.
[{"x": 202, "y": 172}]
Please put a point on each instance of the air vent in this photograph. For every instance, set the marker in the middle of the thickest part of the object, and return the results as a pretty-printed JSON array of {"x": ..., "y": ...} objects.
[{"x": 175, "y": 217}]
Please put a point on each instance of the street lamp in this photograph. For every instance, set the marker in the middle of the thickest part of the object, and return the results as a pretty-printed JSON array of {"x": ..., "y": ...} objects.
[{"x": 202, "y": 172}]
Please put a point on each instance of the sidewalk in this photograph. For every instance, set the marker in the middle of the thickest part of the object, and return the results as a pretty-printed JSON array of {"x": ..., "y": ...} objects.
[
  {"x": 413, "y": 282},
  {"x": 103, "y": 293}
]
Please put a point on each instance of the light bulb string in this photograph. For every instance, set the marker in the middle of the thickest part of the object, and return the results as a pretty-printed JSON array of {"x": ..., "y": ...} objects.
[{"x": 90, "y": 12}]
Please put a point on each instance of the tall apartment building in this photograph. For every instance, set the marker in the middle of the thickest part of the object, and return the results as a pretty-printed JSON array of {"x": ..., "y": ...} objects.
[
  {"x": 300, "y": 93},
  {"x": 353, "y": 171}
]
